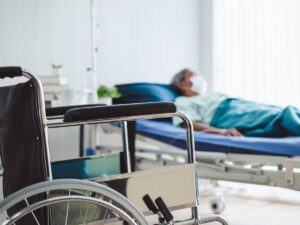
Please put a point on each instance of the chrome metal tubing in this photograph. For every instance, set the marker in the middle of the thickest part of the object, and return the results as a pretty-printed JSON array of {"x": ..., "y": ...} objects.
[
  {"x": 190, "y": 139},
  {"x": 126, "y": 146},
  {"x": 42, "y": 120},
  {"x": 109, "y": 120},
  {"x": 213, "y": 218},
  {"x": 183, "y": 116},
  {"x": 191, "y": 158},
  {"x": 190, "y": 136}
]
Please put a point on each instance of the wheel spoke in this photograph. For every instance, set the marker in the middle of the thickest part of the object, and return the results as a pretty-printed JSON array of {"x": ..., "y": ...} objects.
[
  {"x": 7, "y": 217},
  {"x": 67, "y": 213},
  {"x": 87, "y": 210},
  {"x": 70, "y": 201},
  {"x": 32, "y": 213},
  {"x": 98, "y": 196}
]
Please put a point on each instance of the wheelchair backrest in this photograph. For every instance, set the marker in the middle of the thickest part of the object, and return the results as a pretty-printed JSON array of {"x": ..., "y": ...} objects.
[{"x": 21, "y": 136}]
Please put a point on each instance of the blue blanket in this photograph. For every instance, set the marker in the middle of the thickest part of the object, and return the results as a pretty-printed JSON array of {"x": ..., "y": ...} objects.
[{"x": 258, "y": 120}]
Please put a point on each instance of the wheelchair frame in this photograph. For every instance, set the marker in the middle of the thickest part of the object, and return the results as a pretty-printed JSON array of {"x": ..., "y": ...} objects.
[{"x": 45, "y": 124}]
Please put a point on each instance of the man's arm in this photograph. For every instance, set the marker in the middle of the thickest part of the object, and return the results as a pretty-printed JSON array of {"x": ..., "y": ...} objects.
[{"x": 209, "y": 129}]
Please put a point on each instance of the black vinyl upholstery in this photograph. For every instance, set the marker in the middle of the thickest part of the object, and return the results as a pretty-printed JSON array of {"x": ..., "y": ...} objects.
[
  {"x": 123, "y": 110},
  {"x": 10, "y": 71},
  {"x": 21, "y": 146},
  {"x": 60, "y": 111}
]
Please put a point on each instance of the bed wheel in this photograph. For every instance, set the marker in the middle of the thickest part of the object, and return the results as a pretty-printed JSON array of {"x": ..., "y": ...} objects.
[{"x": 217, "y": 204}]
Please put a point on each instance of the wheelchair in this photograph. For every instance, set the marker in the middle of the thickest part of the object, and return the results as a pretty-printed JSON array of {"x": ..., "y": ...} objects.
[{"x": 32, "y": 196}]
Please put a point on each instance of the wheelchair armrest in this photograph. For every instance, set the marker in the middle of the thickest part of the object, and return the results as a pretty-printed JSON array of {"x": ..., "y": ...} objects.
[
  {"x": 60, "y": 111},
  {"x": 124, "y": 110}
]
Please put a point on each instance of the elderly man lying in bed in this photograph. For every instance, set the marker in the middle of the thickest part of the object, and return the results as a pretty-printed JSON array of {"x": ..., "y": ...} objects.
[{"x": 220, "y": 114}]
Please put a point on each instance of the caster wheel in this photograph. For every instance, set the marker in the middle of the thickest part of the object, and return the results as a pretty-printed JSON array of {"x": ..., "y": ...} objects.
[{"x": 217, "y": 204}]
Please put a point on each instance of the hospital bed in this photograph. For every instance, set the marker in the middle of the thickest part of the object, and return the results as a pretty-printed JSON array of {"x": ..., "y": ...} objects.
[
  {"x": 33, "y": 197},
  {"x": 265, "y": 161},
  {"x": 268, "y": 161}
]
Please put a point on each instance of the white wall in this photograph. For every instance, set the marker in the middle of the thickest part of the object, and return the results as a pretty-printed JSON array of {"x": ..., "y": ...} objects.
[
  {"x": 139, "y": 40},
  {"x": 206, "y": 40},
  {"x": 148, "y": 40},
  {"x": 35, "y": 33}
]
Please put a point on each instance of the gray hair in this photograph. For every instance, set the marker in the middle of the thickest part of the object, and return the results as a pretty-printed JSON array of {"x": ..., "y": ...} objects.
[{"x": 177, "y": 78}]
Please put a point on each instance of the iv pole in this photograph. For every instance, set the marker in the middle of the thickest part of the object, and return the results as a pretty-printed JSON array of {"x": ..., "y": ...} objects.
[
  {"x": 94, "y": 47},
  {"x": 92, "y": 131}
]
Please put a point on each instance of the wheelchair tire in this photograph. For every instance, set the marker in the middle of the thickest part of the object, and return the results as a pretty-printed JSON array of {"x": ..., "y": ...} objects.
[{"x": 68, "y": 201}]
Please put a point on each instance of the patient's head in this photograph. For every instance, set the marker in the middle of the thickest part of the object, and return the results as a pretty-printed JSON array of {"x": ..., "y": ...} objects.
[{"x": 188, "y": 83}]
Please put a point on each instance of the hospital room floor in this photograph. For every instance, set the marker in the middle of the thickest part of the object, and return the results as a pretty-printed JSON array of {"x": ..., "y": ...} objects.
[
  {"x": 243, "y": 211},
  {"x": 254, "y": 209},
  {"x": 246, "y": 211},
  {"x": 257, "y": 205}
]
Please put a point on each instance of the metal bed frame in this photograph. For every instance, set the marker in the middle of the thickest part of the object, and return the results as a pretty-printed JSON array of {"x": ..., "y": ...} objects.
[
  {"x": 276, "y": 171},
  {"x": 123, "y": 208}
]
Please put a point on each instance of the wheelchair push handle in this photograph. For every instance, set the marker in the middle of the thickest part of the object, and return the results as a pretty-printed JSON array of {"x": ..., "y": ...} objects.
[{"x": 10, "y": 71}]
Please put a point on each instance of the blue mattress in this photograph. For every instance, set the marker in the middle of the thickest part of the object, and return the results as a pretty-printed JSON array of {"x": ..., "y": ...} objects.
[{"x": 176, "y": 136}]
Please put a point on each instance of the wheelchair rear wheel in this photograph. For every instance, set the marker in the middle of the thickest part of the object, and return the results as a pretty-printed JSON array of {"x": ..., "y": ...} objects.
[{"x": 68, "y": 202}]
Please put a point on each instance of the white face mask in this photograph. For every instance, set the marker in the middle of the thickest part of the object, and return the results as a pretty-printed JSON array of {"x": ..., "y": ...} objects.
[{"x": 199, "y": 85}]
